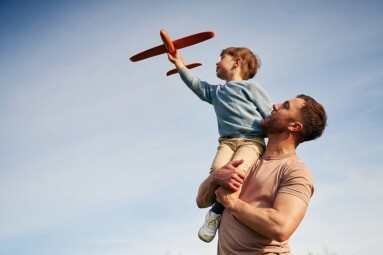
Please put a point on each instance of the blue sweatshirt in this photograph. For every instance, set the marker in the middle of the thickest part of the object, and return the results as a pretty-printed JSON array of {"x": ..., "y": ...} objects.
[{"x": 240, "y": 106}]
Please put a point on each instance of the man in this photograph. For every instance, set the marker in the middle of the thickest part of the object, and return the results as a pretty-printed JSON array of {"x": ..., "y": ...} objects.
[{"x": 263, "y": 211}]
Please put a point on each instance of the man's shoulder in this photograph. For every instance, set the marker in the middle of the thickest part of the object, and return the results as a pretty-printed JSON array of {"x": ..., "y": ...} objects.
[
  {"x": 286, "y": 163},
  {"x": 295, "y": 163}
]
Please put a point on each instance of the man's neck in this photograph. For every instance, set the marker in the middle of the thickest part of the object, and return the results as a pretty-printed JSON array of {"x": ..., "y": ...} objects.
[{"x": 278, "y": 146}]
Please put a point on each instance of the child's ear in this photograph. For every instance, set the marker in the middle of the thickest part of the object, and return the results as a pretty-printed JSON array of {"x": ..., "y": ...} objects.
[{"x": 237, "y": 62}]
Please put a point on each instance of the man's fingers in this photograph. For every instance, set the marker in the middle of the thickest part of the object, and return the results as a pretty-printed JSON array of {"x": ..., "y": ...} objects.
[
  {"x": 240, "y": 176},
  {"x": 235, "y": 185},
  {"x": 236, "y": 163}
]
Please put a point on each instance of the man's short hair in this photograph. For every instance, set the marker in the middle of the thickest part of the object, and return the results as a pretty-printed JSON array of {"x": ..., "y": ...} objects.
[{"x": 314, "y": 119}]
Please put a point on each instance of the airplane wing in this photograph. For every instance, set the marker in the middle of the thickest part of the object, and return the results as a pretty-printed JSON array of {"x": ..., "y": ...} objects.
[
  {"x": 192, "y": 39},
  {"x": 158, "y": 50},
  {"x": 178, "y": 44}
]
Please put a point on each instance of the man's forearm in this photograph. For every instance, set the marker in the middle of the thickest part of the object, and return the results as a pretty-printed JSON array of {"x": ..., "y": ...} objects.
[
  {"x": 206, "y": 194},
  {"x": 264, "y": 221}
]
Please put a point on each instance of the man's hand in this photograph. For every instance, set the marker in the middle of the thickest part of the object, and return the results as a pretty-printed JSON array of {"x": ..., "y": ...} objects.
[
  {"x": 228, "y": 176},
  {"x": 226, "y": 197},
  {"x": 229, "y": 191}
]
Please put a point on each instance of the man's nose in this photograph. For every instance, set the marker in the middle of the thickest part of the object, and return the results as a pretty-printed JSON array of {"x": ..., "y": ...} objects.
[{"x": 275, "y": 107}]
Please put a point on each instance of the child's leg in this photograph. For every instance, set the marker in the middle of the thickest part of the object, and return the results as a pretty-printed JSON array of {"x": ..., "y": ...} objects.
[
  {"x": 225, "y": 153},
  {"x": 208, "y": 230},
  {"x": 249, "y": 150},
  {"x": 217, "y": 208}
]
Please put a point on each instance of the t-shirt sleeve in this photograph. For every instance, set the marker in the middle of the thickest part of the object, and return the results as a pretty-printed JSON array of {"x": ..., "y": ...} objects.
[{"x": 297, "y": 180}]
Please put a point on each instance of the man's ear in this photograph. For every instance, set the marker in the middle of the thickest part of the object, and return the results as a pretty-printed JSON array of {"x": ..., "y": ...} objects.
[{"x": 295, "y": 126}]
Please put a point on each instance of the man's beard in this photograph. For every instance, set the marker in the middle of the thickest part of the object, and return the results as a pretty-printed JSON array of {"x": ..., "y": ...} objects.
[{"x": 274, "y": 125}]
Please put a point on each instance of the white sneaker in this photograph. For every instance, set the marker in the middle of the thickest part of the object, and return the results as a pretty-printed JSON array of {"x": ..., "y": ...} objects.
[{"x": 207, "y": 232}]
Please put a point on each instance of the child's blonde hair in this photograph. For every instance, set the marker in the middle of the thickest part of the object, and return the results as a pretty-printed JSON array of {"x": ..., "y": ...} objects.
[{"x": 250, "y": 63}]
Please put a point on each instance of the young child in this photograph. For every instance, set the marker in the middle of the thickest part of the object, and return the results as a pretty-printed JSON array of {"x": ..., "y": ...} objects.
[{"x": 240, "y": 105}]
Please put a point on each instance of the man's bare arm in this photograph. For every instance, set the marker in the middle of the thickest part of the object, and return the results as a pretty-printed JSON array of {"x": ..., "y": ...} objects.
[
  {"x": 277, "y": 223},
  {"x": 206, "y": 193}
]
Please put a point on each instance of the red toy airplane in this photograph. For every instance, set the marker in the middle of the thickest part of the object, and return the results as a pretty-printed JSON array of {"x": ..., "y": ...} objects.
[{"x": 172, "y": 46}]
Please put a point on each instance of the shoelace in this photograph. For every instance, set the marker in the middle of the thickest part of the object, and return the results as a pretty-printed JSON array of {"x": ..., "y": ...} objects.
[{"x": 214, "y": 221}]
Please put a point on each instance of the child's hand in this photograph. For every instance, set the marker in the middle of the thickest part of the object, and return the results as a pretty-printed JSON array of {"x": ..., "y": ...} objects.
[{"x": 177, "y": 60}]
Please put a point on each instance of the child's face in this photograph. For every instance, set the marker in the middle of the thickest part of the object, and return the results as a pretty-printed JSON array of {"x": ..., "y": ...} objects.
[{"x": 225, "y": 66}]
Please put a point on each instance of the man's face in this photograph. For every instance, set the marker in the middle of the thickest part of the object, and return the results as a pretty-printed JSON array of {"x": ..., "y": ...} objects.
[{"x": 282, "y": 116}]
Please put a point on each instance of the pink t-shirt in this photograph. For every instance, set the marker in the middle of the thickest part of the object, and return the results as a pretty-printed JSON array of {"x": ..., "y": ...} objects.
[{"x": 269, "y": 177}]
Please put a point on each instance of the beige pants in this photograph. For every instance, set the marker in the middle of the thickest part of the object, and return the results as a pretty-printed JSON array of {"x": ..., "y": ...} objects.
[{"x": 248, "y": 149}]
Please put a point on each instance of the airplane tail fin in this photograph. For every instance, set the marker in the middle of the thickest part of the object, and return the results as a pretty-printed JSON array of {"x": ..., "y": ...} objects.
[{"x": 189, "y": 66}]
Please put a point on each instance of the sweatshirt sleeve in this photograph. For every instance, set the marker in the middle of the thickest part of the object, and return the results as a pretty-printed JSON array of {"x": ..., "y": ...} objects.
[
  {"x": 201, "y": 88},
  {"x": 262, "y": 101}
]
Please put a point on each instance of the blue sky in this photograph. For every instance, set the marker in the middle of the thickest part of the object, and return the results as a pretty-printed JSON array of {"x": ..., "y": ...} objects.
[{"x": 102, "y": 156}]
